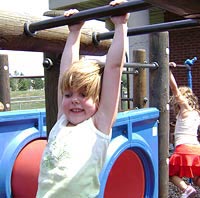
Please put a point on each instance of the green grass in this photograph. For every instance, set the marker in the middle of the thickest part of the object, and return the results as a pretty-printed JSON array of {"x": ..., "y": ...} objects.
[
  {"x": 36, "y": 92},
  {"x": 21, "y": 100}
]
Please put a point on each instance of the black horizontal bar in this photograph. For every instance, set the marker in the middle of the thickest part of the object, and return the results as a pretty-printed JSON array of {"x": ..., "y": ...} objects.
[
  {"x": 94, "y": 13},
  {"x": 26, "y": 76},
  {"x": 160, "y": 27},
  {"x": 127, "y": 99}
]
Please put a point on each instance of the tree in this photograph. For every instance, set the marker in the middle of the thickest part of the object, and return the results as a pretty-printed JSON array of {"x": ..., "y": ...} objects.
[
  {"x": 37, "y": 83},
  {"x": 13, "y": 84},
  {"x": 14, "y": 81},
  {"x": 24, "y": 84},
  {"x": 21, "y": 84}
]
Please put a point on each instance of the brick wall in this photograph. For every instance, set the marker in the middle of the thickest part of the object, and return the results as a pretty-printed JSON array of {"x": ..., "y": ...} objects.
[{"x": 185, "y": 44}]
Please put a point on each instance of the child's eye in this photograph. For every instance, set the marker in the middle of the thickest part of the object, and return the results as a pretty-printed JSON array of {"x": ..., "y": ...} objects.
[
  {"x": 67, "y": 95},
  {"x": 83, "y": 95}
]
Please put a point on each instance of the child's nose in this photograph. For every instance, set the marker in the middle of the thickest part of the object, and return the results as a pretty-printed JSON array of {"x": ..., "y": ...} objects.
[{"x": 75, "y": 100}]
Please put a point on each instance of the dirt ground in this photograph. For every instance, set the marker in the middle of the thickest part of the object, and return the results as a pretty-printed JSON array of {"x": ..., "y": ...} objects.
[{"x": 174, "y": 192}]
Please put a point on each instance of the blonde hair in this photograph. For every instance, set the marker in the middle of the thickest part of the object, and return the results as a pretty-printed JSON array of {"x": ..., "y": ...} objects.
[
  {"x": 190, "y": 97},
  {"x": 1, "y": 106},
  {"x": 84, "y": 74}
]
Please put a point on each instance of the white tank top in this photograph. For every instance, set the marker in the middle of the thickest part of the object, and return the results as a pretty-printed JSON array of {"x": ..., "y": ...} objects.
[
  {"x": 72, "y": 161},
  {"x": 186, "y": 129}
]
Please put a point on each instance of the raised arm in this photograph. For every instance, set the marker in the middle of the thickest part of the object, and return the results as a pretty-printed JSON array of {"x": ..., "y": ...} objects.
[
  {"x": 70, "y": 53},
  {"x": 180, "y": 99},
  {"x": 173, "y": 84},
  {"x": 111, "y": 84}
]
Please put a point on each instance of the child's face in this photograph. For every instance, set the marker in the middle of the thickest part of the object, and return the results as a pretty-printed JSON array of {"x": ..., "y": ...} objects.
[{"x": 77, "y": 107}]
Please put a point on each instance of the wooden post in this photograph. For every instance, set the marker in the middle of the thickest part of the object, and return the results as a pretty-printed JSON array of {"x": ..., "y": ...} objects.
[
  {"x": 4, "y": 82},
  {"x": 159, "y": 97},
  {"x": 51, "y": 86},
  {"x": 140, "y": 90}
]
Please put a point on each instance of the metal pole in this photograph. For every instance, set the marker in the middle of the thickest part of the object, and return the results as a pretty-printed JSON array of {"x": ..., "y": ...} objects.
[
  {"x": 149, "y": 29},
  {"x": 153, "y": 65},
  {"x": 94, "y": 13},
  {"x": 181, "y": 65},
  {"x": 27, "y": 76}
]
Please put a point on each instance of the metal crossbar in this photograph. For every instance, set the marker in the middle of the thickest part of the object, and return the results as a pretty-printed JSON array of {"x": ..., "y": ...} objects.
[
  {"x": 153, "y": 65},
  {"x": 160, "y": 27},
  {"x": 85, "y": 15}
]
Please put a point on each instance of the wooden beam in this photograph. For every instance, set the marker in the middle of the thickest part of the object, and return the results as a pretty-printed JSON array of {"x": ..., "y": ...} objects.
[
  {"x": 12, "y": 36},
  {"x": 188, "y": 9}
]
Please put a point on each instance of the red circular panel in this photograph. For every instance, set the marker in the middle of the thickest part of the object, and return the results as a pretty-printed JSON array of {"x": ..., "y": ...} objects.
[
  {"x": 126, "y": 178},
  {"x": 26, "y": 169}
]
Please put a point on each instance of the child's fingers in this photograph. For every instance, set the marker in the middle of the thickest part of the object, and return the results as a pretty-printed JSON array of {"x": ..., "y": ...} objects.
[
  {"x": 172, "y": 64},
  {"x": 116, "y": 2},
  {"x": 70, "y": 12}
]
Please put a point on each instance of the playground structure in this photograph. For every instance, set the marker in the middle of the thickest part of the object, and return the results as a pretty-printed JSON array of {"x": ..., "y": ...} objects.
[
  {"x": 129, "y": 148},
  {"x": 134, "y": 143}
]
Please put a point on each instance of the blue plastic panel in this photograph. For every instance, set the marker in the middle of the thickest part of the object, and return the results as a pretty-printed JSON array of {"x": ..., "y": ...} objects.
[
  {"x": 136, "y": 130},
  {"x": 17, "y": 129}
]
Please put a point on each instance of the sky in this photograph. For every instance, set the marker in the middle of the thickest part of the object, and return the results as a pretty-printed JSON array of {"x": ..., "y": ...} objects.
[{"x": 18, "y": 60}]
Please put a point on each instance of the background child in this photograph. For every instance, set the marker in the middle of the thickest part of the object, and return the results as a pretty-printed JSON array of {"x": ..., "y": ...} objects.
[
  {"x": 185, "y": 161},
  {"x": 78, "y": 142}
]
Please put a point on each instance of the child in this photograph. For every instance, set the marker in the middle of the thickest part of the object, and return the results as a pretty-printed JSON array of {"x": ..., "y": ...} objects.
[
  {"x": 185, "y": 161},
  {"x": 78, "y": 142}
]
